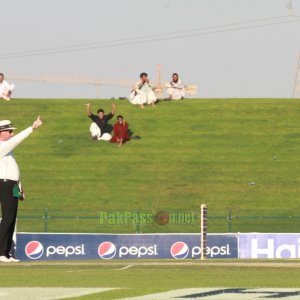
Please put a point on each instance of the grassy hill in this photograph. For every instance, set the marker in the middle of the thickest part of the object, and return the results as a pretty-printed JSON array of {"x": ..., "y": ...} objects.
[{"x": 240, "y": 154}]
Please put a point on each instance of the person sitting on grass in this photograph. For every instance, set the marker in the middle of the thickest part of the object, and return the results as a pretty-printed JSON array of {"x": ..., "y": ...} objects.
[
  {"x": 98, "y": 128},
  {"x": 5, "y": 88},
  {"x": 175, "y": 88},
  {"x": 120, "y": 132},
  {"x": 142, "y": 93}
]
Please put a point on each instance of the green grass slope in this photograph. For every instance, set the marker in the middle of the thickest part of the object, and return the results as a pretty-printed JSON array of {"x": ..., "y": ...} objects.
[{"x": 191, "y": 152}]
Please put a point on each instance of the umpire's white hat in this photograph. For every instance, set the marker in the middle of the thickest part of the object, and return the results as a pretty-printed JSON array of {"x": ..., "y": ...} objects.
[{"x": 6, "y": 125}]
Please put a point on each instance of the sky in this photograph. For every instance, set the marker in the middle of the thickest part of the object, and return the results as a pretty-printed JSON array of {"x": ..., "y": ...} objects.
[{"x": 228, "y": 48}]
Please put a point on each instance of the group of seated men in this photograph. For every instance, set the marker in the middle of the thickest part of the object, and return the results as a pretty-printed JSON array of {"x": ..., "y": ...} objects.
[
  {"x": 99, "y": 126},
  {"x": 142, "y": 93}
]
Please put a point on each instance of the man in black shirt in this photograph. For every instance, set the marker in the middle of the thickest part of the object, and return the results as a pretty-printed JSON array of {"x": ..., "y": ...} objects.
[{"x": 99, "y": 126}]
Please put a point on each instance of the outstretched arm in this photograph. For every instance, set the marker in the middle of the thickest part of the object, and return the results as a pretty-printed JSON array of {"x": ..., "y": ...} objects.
[
  {"x": 89, "y": 109},
  {"x": 113, "y": 108},
  {"x": 9, "y": 145}
]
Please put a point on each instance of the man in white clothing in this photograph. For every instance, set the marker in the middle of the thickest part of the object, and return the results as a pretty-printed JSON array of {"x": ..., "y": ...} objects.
[
  {"x": 5, "y": 88},
  {"x": 9, "y": 184},
  {"x": 175, "y": 88},
  {"x": 143, "y": 93}
]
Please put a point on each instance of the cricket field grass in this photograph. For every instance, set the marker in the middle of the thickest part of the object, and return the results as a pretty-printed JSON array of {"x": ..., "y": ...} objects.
[
  {"x": 137, "y": 278},
  {"x": 240, "y": 155}
]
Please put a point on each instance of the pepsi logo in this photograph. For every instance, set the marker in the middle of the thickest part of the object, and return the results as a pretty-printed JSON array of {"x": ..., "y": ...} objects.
[
  {"x": 179, "y": 250},
  {"x": 34, "y": 250},
  {"x": 107, "y": 250}
]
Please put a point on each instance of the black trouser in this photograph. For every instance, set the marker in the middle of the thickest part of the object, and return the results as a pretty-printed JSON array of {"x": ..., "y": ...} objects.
[{"x": 9, "y": 207}]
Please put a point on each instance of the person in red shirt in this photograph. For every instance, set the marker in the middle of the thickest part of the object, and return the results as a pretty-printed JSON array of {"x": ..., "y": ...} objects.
[{"x": 120, "y": 132}]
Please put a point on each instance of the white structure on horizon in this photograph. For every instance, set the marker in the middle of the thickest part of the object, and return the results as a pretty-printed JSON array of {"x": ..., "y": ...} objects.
[{"x": 296, "y": 91}]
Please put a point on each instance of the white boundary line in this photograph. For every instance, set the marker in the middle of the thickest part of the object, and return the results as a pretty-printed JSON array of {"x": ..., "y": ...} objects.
[{"x": 125, "y": 268}]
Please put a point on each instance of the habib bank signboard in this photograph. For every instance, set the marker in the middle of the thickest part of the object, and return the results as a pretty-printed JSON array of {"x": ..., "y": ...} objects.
[
  {"x": 47, "y": 246},
  {"x": 269, "y": 245}
]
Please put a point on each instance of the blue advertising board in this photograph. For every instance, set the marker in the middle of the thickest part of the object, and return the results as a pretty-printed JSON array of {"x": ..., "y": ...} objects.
[{"x": 50, "y": 246}]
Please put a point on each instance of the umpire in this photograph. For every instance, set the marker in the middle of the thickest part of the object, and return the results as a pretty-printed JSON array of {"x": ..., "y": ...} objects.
[{"x": 9, "y": 178}]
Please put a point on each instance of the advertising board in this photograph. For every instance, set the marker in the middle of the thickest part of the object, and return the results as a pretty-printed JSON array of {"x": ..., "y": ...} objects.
[
  {"x": 269, "y": 245},
  {"x": 50, "y": 246}
]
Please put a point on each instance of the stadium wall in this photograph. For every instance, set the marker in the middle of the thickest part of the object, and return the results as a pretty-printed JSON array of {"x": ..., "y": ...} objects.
[
  {"x": 62, "y": 246},
  {"x": 53, "y": 246}
]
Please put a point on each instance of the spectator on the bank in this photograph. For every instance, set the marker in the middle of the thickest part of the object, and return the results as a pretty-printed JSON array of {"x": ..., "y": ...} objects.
[
  {"x": 143, "y": 93},
  {"x": 6, "y": 89},
  {"x": 120, "y": 132},
  {"x": 175, "y": 88},
  {"x": 98, "y": 128}
]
